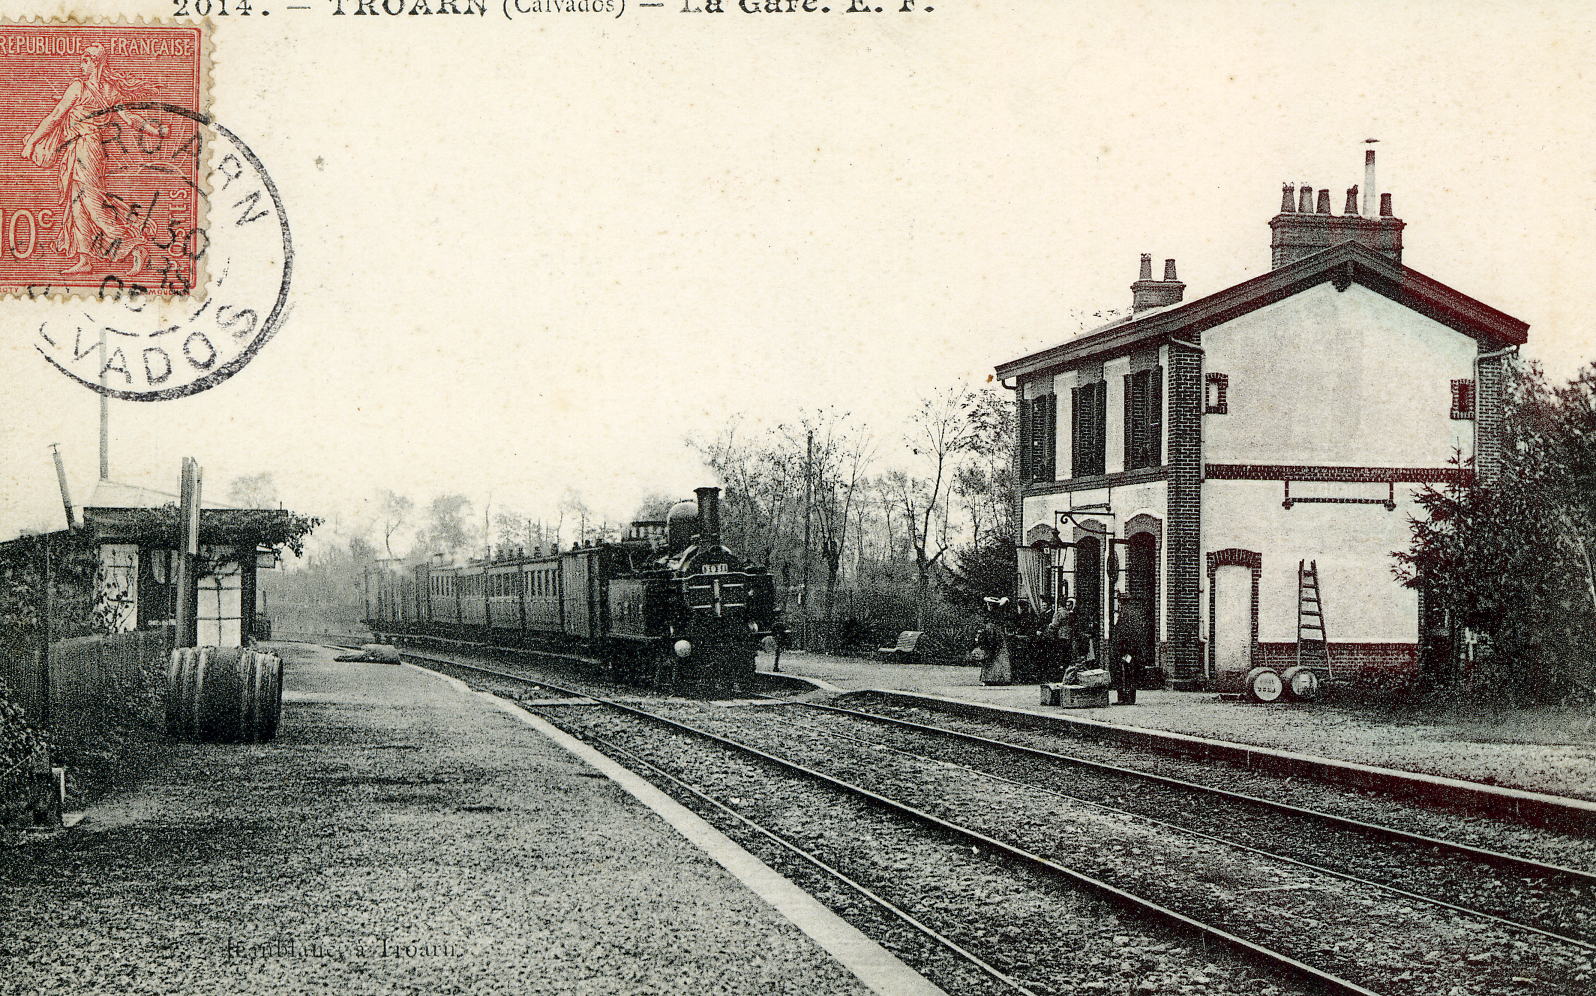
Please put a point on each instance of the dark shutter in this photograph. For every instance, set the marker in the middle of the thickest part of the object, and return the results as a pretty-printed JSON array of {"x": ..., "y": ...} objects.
[
  {"x": 1100, "y": 451},
  {"x": 1050, "y": 438},
  {"x": 1077, "y": 441},
  {"x": 1024, "y": 438},
  {"x": 1131, "y": 424},
  {"x": 1155, "y": 416}
]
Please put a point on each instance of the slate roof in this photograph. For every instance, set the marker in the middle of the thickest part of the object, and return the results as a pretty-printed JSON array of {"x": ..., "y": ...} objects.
[{"x": 1349, "y": 262}]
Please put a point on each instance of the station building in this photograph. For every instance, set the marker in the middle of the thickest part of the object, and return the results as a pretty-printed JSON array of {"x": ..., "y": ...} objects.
[{"x": 1244, "y": 464}]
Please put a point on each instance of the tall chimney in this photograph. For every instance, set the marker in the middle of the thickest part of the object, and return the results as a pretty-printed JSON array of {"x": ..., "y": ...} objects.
[
  {"x": 1368, "y": 184},
  {"x": 1149, "y": 293},
  {"x": 708, "y": 516}
]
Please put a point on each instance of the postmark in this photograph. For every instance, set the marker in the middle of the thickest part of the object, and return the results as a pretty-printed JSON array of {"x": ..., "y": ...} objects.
[
  {"x": 130, "y": 340},
  {"x": 82, "y": 196},
  {"x": 189, "y": 256}
]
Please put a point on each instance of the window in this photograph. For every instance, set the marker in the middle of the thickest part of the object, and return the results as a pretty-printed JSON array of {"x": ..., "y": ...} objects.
[
  {"x": 1088, "y": 428},
  {"x": 1039, "y": 438},
  {"x": 1463, "y": 398},
  {"x": 1144, "y": 418},
  {"x": 1216, "y": 387}
]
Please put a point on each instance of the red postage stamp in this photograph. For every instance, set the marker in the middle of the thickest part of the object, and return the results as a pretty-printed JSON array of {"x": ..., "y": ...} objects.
[{"x": 96, "y": 185}]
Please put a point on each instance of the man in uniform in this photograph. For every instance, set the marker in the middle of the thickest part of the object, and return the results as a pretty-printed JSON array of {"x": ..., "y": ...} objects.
[{"x": 1128, "y": 650}]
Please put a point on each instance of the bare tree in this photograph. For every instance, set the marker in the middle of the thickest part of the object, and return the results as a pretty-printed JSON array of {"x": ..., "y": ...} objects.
[
  {"x": 938, "y": 432},
  {"x": 253, "y": 491},
  {"x": 394, "y": 509}
]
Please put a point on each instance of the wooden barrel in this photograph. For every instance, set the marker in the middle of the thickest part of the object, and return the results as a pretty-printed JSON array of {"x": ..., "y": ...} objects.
[{"x": 224, "y": 694}]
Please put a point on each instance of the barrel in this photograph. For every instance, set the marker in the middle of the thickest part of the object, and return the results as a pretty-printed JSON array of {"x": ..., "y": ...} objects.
[{"x": 224, "y": 694}]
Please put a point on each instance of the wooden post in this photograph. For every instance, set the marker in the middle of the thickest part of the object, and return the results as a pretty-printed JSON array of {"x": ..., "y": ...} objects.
[
  {"x": 187, "y": 607},
  {"x": 44, "y": 637}
]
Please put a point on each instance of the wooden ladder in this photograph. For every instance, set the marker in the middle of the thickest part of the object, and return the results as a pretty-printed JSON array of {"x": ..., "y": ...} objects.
[{"x": 1313, "y": 650}]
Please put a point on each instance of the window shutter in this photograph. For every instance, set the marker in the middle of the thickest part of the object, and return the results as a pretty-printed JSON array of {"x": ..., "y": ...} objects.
[
  {"x": 1100, "y": 451},
  {"x": 1130, "y": 424},
  {"x": 1075, "y": 432},
  {"x": 1155, "y": 416},
  {"x": 1050, "y": 438},
  {"x": 1024, "y": 438}
]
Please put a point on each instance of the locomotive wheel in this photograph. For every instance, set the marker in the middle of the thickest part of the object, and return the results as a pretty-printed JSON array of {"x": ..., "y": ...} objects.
[
  {"x": 1263, "y": 684},
  {"x": 1301, "y": 684}
]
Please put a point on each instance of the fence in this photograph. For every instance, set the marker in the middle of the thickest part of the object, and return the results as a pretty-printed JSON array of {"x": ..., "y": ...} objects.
[{"x": 92, "y": 680}]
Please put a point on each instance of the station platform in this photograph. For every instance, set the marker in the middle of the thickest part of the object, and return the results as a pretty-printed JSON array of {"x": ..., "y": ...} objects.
[
  {"x": 1551, "y": 752},
  {"x": 402, "y": 834}
]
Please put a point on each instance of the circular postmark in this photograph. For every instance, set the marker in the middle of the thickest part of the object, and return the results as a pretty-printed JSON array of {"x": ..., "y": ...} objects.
[{"x": 211, "y": 261}]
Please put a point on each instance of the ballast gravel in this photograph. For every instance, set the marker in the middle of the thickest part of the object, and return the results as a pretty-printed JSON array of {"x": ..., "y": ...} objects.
[{"x": 399, "y": 837}]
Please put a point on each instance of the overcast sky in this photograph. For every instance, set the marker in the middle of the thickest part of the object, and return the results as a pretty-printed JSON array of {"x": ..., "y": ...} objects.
[{"x": 542, "y": 254}]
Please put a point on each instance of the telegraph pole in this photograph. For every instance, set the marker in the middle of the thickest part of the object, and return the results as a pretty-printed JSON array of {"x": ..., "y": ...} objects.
[
  {"x": 105, "y": 417},
  {"x": 809, "y": 503}
]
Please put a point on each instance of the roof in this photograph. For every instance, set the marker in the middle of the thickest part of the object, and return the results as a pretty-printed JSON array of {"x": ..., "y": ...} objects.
[
  {"x": 1349, "y": 261},
  {"x": 116, "y": 494}
]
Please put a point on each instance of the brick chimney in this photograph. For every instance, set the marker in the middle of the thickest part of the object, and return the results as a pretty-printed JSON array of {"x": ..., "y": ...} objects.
[
  {"x": 1149, "y": 293},
  {"x": 1310, "y": 227}
]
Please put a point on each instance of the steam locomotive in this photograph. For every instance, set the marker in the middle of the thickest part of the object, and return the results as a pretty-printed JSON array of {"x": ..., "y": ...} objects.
[{"x": 667, "y": 603}]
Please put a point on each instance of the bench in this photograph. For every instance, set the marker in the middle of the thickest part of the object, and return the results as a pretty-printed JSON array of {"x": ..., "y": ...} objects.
[{"x": 907, "y": 648}]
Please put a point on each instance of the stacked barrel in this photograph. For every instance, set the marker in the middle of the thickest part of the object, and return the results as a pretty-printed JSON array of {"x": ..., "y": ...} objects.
[{"x": 224, "y": 694}]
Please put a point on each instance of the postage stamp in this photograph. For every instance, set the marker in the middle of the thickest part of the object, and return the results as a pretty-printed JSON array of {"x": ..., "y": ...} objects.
[
  {"x": 92, "y": 186},
  {"x": 146, "y": 240}
]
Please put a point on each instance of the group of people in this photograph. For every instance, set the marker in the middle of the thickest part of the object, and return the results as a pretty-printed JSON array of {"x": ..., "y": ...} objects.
[{"x": 1064, "y": 643}]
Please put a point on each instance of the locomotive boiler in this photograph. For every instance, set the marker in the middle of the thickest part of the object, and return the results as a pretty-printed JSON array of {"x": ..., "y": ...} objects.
[{"x": 669, "y": 602}]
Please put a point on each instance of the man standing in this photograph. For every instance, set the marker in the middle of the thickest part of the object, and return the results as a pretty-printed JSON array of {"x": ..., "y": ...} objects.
[{"x": 1128, "y": 650}]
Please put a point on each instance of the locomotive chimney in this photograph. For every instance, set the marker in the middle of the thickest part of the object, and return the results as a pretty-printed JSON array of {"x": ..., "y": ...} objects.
[{"x": 708, "y": 516}]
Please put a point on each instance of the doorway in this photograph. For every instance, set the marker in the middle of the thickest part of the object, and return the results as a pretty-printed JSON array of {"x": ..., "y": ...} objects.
[
  {"x": 1141, "y": 587},
  {"x": 1232, "y": 623}
]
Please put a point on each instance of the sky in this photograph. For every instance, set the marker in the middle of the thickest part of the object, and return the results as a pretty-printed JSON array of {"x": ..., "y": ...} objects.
[{"x": 540, "y": 254}]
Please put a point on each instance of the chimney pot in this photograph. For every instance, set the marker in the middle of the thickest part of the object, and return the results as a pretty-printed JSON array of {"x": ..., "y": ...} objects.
[
  {"x": 1368, "y": 183},
  {"x": 1352, "y": 201},
  {"x": 1169, "y": 270},
  {"x": 1305, "y": 199},
  {"x": 1385, "y": 206},
  {"x": 1288, "y": 198},
  {"x": 1324, "y": 202},
  {"x": 1147, "y": 266}
]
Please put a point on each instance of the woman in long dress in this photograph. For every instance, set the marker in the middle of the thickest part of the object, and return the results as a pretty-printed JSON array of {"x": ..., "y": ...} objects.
[{"x": 94, "y": 221}]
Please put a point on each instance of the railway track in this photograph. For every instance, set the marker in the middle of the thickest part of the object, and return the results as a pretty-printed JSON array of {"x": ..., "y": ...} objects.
[
  {"x": 1298, "y": 964},
  {"x": 1560, "y": 888}
]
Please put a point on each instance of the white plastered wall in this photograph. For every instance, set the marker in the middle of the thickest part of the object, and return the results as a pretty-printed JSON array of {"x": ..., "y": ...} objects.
[
  {"x": 1127, "y": 502},
  {"x": 1341, "y": 379}
]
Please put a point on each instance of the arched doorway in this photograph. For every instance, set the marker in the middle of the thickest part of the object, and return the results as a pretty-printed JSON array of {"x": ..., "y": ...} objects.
[
  {"x": 1141, "y": 586},
  {"x": 1089, "y": 587}
]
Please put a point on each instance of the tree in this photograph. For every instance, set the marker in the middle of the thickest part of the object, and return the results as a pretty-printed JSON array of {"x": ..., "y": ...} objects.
[
  {"x": 939, "y": 431},
  {"x": 1509, "y": 561},
  {"x": 985, "y": 484},
  {"x": 394, "y": 509},
  {"x": 253, "y": 491},
  {"x": 446, "y": 530}
]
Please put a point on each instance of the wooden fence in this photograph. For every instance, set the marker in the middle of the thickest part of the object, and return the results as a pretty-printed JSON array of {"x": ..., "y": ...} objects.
[{"x": 92, "y": 679}]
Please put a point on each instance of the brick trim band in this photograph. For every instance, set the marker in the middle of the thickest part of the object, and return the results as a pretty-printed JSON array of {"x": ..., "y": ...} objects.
[{"x": 1361, "y": 475}]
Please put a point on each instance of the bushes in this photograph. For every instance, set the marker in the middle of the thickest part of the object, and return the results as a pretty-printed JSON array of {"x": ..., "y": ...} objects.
[{"x": 1505, "y": 566}]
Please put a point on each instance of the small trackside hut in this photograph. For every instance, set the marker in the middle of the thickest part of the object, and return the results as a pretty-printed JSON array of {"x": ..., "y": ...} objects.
[{"x": 1241, "y": 466}]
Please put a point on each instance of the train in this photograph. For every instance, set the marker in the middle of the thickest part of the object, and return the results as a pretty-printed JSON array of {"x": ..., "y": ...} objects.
[{"x": 668, "y": 603}]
